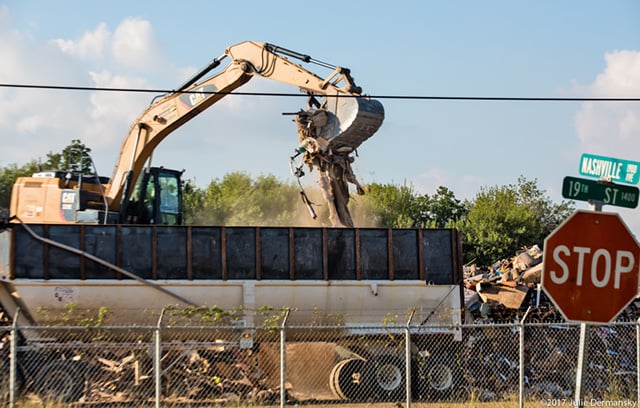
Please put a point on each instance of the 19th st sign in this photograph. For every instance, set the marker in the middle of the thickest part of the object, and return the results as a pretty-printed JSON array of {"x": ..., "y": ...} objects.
[{"x": 591, "y": 265}]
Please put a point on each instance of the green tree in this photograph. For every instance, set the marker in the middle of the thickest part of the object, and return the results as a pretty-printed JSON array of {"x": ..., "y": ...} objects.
[
  {"x": 549, "y": 215},
  {"x": 444, "y": 209},
  {"x": 391, "y": 206},
  {"x": 192, "y": 200},
  {"x": 387, "y": 206},
  {"x": 503, "y": 220},
  {"x": 237, "y": 199},
  {"x": 75, "y": 157}
]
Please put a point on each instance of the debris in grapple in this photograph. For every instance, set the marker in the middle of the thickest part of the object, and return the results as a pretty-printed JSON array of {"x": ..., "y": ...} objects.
[{"x": 328, "y": 135}]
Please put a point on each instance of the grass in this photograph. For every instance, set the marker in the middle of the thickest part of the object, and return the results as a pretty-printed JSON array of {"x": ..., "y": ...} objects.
[
  {"x": 31, "y": 401},
  {"x": 36, "y": 403}
]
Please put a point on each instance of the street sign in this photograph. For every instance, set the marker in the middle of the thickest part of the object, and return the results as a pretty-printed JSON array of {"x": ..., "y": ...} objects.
[
  {"x": 592, "y": 190},
  {"x": 610, "y": 169},
  {"x": 591, "y": 264}
]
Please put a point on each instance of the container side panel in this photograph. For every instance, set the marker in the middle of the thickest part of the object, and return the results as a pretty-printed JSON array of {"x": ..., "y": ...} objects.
[
  {"x": 241, "y": 253},
  {"x": 29, "y": 254},
  {"x": 137, "y": 255},
  {"x": 375, "y": 254},
  {"x": 308, "y": 253},
  {"x": 64, "y": 264},
  {"x": 101, "y": 242},
  {"x": 206, "y": 253},
  {"x": 274, "y": 253},
  {"x": 342, "y": 254},
  {"x": 172, "y": 253},
  {"x": 438, "y": 253},
  {"x": 405, "y": 255}
]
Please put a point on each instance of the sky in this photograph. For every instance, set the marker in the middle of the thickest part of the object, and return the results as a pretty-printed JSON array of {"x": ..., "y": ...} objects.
[{"x": 525, "y": 49}]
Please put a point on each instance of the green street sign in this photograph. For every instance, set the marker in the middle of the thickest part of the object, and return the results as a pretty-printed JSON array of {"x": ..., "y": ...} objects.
[
  {"x": 608, "y": 193},
  {"x": 610, "y": 169}
]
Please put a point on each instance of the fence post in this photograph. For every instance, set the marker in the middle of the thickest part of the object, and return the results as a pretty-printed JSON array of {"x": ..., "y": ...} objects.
[
  {"x": 407, "y": 356},
  {"x": 13, "y": 360},
  {"x": 283, "y": 360},
  {"x": 583, "y": 351},
  {"x": 157, "y": 360},
  {"x": 521, "y": 358}
]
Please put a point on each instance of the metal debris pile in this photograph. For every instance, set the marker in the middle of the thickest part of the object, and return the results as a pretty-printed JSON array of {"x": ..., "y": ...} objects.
[
  {"x": 505, "y": 290},
  {"x": 190, "y": 374},
  {"x": 500, "y": 295}
]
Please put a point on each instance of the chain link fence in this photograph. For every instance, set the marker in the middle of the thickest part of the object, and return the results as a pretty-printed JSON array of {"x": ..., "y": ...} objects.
[{"x": 177, "y": 365}]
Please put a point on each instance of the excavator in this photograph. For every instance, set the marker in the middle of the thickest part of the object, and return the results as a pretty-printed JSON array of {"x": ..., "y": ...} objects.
[
  {"x": 336, "y": 120},
  {"x": 133, "y": 274}
]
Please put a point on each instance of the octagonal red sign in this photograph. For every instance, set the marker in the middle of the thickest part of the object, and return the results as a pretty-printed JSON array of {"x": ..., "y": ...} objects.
[{"x": 591, "y": 264}]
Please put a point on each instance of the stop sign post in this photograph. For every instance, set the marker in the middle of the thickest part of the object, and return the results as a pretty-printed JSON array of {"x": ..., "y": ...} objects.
[{"x": 591, "y": 264}]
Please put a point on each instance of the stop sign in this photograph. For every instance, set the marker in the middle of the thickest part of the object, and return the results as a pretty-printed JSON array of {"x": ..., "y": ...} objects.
[{"x": 591, "y": 266}]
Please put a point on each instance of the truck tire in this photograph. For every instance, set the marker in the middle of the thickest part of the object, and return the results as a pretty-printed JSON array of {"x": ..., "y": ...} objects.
[
  {"x": 60, "y": 381},
  {"x": 386, "y": 377},
  {"x": 347, "y": 380},
  {"x": 436, "y": 379}
]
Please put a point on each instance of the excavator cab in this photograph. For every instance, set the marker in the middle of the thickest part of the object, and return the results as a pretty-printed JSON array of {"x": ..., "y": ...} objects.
[
  {"x": 64, "y": 197},
  {"x": 156, "y": 198}
]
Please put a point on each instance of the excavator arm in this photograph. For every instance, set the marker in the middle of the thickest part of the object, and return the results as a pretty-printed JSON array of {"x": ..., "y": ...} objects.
[{"x": 337, "y": 124}]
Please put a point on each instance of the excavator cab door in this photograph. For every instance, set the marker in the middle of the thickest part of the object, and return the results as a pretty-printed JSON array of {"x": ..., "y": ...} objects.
[{"x": 156, "y": 198}]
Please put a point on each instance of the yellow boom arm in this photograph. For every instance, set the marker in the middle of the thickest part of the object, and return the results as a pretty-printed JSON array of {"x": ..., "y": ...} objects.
[{"x": 354, "y": 119}]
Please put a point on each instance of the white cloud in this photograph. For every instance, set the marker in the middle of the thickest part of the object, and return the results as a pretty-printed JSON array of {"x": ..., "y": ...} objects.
[
  {"x": 134, "y": 45},
  {"x": 12, "y": 54},
  {"x": 34, "y": 122},
  {"x": 90, "y": 46},
  {"x": 621, "y": 76},
  {"x": 112, "y": 112},
  {"x": 613, "y": 128},
  {"x": 117, "y": 105}
]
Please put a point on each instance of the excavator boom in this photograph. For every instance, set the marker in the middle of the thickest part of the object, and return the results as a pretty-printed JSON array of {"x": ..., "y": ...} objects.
[
  {"x": 335, "y": 122},
  {"x": 351, "y": 117}
]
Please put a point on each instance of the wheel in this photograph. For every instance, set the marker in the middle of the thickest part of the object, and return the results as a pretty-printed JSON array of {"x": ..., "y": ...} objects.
[
  {"x": 347, "y": 380},
  {"x": 61, "y": 381},
  {"x": 386, "y": 377},
  {"x": 335, "y": 372},
  {"x": 436, "y": 379}
]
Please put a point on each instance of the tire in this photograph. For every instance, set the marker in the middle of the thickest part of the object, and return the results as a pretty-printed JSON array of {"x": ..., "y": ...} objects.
[
  {"x": 386, "y": 377},
  {"x": 347, "y": 380},
  {"x": 437, "y": 379},
  {"x": 60, "y": 381},
  {"x": 335, "y": 372}
]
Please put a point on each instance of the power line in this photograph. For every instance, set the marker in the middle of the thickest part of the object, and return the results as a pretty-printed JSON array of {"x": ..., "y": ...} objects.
[{"x": 280, "y": 94}]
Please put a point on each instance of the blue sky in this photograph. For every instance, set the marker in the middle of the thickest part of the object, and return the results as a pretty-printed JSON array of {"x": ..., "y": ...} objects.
[{"x": 539, "y": 48}]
